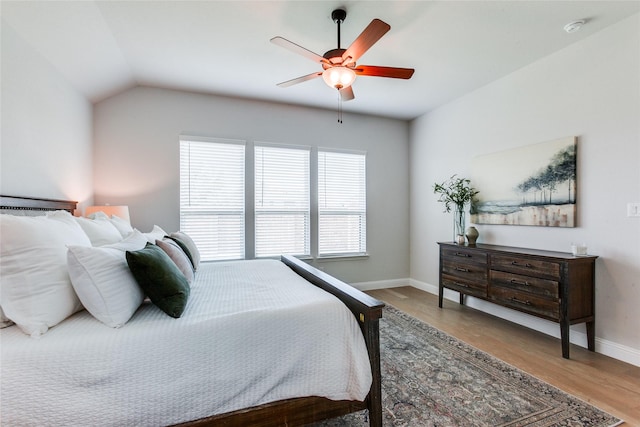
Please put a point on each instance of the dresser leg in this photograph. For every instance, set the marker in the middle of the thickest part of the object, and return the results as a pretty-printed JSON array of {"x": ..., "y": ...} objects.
[
  {"x": 441, "y": 290},
  {"x": 564, "y": 337},
  {"x": 461, "y": 298},
  {"x": 591, "y": 335}
]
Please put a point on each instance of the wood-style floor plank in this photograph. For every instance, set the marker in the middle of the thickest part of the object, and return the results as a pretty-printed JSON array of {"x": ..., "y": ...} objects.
[{"x": 604, "y": 382}]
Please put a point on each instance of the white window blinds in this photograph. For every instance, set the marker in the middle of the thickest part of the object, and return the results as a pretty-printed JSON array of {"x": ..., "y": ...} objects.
[
  {"x": 282, "y": 209},
  {"x": 212, "y": 196},
  {"x": 342, "y": 203}
]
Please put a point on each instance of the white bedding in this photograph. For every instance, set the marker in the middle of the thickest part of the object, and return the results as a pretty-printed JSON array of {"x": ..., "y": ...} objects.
[{"x": 253, "y": 332}]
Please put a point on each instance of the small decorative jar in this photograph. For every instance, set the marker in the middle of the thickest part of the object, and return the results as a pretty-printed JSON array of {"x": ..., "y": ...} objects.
[{"x": 472, "y": 235}]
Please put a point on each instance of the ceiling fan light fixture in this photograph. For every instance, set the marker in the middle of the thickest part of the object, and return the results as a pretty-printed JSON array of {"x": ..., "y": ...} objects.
[{"x": 339, "y": 77}]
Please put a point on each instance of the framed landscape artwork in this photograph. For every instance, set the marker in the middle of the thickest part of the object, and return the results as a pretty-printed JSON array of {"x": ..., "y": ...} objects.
[{"x": 531, "y": 185}]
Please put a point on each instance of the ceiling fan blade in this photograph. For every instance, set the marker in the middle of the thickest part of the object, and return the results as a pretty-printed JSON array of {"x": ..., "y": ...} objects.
[
  {"x": 392, "y": 72},
  {"x": 300, "y": 79},
  {"x": 374, "y": 31},
  {"x": 298, "y": 49},
  {"x": 346, "y": 94}
]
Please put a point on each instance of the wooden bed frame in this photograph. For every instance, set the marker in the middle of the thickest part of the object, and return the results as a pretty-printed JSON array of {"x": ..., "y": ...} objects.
[{"x": 291, "y": 412}]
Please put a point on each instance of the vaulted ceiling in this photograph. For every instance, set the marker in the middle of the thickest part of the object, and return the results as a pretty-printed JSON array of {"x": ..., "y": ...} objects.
[{"x": 222, "y": 47}]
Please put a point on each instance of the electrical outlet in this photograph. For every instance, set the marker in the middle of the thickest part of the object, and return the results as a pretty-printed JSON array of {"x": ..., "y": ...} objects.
[{"x": 633, "y": 209}]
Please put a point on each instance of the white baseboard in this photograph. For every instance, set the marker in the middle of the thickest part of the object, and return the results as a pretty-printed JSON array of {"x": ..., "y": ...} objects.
[
  {"x": 381, "y": 284},
  {"x": 432, "y": 289},
  {"x": 578, "y": 334}
]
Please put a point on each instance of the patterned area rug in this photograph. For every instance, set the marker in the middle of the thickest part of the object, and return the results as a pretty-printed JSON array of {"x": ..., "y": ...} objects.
[{"x": 430, "y": 378}]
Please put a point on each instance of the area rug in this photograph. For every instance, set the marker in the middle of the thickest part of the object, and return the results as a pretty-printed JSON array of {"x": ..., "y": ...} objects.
[{"x": 430, "y": 378}]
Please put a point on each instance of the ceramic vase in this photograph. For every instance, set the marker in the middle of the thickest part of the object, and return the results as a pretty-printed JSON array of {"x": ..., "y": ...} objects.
[{"x": 472, "y": 235}]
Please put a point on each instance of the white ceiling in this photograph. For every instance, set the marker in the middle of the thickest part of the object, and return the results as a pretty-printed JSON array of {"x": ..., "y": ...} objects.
[{"x": 222, "y": 47}]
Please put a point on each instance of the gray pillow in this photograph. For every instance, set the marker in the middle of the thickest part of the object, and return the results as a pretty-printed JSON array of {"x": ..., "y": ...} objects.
[
  {"x": 177, "y": 255},
  {"x": 188, "y": 246}
]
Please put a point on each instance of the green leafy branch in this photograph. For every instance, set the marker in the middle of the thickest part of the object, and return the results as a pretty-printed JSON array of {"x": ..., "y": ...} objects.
[{"x": 455, "y": 192}]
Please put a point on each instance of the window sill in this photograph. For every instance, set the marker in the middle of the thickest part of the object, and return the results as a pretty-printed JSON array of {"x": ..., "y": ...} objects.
[{"x": 352, "y": 257}]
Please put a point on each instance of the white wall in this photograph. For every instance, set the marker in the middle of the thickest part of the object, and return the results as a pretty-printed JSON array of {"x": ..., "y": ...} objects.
[
  {"x": 46, "y": 145},
  {"x": 591, "y": 90},
  {"x": 137, "y": 161}
]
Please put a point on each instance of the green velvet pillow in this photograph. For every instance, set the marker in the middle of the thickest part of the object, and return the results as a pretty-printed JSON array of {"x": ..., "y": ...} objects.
[{"x": 160, "y": 279}]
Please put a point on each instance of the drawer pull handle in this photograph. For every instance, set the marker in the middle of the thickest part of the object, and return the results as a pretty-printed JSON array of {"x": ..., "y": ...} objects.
[
  {"x": 519, "y": 301},
  {"x": 520, "y": 282},
  {"x": 527, "y": 265},
  {"x": 464, "y": 270},
  {"x": 462, "y": 254},
  {"x": 462, "y": 285}
]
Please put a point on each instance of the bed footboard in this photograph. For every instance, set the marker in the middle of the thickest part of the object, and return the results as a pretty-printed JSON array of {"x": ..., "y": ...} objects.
[{"x": 367, "y": 311}]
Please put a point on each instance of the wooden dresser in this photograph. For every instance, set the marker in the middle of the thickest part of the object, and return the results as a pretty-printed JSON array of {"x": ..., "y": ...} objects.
[{"x": 556, "y": 286}]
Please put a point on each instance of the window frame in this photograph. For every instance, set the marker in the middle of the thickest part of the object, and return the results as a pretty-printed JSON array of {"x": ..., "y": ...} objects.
[
  {"x": 341, "y": 255},
  {"x": 242, "y": 248},
  {"x": 308, "y": 211}
]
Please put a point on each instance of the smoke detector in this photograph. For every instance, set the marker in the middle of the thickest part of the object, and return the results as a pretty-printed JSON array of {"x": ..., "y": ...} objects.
[{"x": 574, "y": 26}]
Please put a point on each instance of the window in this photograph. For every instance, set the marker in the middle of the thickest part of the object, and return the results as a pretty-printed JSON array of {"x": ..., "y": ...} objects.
[
  {"x": 282, "y": 211},
  {"x": 212, "y": 203},
  {"x": 342, "y": 203},
  {"x": 242, "y": 199}
]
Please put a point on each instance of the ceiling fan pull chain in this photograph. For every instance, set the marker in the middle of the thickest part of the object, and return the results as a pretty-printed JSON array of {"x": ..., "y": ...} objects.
[{"x": 339, "y": 108}]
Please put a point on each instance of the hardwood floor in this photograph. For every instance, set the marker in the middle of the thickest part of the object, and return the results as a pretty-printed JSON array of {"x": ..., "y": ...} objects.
[{"x": 604, "y": 382}]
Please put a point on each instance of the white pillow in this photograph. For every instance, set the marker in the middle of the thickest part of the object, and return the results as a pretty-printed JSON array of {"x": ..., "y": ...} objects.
[
  {"x": 98, "y": 215},
  {"x": 122, "y": 225},
  {"x": 156, "y": 234},
  {"x": 35, "y": 290},
  {"x": 100, "y": 231},
  {"x": 103, "y": 281}
]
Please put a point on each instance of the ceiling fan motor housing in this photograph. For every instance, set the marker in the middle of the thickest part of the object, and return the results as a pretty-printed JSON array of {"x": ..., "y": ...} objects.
[
  {"x": 335, "y": 57},
  {"x": 338, "y": 15}
]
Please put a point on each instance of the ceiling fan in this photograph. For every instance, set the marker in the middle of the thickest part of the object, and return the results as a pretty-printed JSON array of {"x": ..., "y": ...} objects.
[{"x": 339, "y": 65}]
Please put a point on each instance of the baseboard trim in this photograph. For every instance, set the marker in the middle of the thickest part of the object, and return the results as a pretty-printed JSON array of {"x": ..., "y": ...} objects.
[
  {"x": 578, "y": 334},
  {"x": 381, "y": 284}
]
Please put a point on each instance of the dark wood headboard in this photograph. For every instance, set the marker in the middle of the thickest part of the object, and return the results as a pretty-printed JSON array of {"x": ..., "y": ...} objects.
[{"x": 36, "y": 204}]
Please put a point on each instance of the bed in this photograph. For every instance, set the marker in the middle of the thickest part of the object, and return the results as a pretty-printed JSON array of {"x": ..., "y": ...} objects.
[{"x": 263, "y": 315}]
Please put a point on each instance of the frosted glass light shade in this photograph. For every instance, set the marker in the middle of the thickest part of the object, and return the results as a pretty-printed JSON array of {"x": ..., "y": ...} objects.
[
  {"x": 119, "y": 211},
  {"x": 339, "y": 77}
]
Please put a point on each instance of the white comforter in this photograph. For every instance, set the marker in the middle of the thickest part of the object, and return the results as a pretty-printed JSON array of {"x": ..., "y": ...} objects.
[{"x": 253, "y": 332}]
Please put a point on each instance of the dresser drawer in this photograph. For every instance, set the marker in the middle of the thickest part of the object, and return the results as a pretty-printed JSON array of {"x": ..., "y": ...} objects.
[
  {"x": 526, "y": 302},
  {"x": 465, "y": 255},
  {"x": 526, "y": 266},
  {"x": 542, "y": 287},
  {"x": 467, "y": 287},
  {"x": 466, "y": 271}
]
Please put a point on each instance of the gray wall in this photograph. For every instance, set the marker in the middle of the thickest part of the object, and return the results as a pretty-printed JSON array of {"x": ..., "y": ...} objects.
[
  {"x": 136, "y": 161},
  {"x": 45, "y": 148},
  {"x": 590, "y": 90}
]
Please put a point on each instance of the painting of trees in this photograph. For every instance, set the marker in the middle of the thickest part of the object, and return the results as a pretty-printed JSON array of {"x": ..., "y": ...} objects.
[
  {"x": 528, "y": 185},
  {"x": 539, "y": 188}
]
